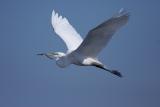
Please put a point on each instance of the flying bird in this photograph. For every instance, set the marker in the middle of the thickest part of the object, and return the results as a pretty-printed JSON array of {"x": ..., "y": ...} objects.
[{"x": 85, "y": 52}]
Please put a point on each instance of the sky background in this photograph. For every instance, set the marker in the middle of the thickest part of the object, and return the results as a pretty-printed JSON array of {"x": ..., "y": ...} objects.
[{"x": 28, "y": 80}]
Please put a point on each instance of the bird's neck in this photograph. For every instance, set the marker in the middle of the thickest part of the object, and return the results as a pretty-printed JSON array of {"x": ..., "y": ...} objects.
[{"x": 63, "y": 61}]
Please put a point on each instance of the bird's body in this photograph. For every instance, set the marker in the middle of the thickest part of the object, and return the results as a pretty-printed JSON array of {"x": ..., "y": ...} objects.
[
  {"x": 84, "y": 52},
  {"x": 78, "y": 59},
  {"x": 71, "y": 58}
]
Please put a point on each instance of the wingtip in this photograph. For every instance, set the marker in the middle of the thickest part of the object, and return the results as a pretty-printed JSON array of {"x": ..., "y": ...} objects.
[
  {"x": 53, "y": 12},
  {"x": 123, "y": 12},
  {"x": 52, "y": 16}
]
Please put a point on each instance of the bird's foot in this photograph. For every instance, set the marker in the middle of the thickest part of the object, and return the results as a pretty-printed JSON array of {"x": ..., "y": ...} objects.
[{"x": 115, "y": 72}]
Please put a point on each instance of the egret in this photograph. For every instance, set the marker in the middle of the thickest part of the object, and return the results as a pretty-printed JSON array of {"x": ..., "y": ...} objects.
[{"x": 85, "y": 52}]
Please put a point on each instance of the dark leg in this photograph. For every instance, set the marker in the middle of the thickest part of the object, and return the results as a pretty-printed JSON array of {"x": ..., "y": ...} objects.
[{"x": 115, "y": 72}]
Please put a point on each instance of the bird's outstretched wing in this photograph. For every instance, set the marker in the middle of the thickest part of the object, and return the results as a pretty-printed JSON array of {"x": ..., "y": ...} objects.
[
  {"x": 65, "y": 30},
  {"x": 98, "y": 37}
]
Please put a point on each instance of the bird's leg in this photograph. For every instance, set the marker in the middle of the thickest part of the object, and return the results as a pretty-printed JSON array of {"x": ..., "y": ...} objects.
[{"x": 115, "y": 72}]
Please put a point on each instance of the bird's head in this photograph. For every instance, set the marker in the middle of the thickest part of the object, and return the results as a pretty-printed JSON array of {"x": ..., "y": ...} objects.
[
  {"x": 53, "y": 55},
  {"x": 60, "y": 58},
  {"x": 57, "y": 54}
]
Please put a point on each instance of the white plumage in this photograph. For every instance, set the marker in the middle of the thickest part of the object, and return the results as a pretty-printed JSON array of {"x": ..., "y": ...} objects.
[
  {"x": 65, "y": 30},
  {"x": 84, "y": 52}
]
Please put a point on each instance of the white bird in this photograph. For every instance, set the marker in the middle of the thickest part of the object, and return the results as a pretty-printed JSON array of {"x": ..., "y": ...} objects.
[{"x": 84, "y": 52}]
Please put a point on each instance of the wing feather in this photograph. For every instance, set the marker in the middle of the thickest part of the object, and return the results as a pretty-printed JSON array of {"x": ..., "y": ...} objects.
[
  {"x": 65, "y": 30},
  {"x": 98, "y": 37}
]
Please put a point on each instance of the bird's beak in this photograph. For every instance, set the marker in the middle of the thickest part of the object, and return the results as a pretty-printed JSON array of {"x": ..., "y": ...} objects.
[
  {"x": 54, "y": 53},
  {"x": 41, "y": 54},
  {"x": 49, "y": 55}
]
